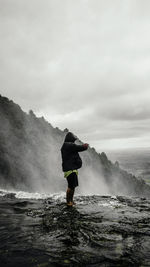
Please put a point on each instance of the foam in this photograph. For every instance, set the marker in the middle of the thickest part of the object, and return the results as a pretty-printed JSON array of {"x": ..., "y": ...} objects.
[{"x": 35, "y": 195}]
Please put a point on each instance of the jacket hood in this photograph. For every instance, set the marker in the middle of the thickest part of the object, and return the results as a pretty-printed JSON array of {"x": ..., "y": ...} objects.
[{"x": 70, "y": 137}]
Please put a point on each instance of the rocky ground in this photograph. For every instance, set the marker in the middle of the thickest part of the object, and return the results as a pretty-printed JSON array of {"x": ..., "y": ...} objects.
[{"x": 99, "y": 231}]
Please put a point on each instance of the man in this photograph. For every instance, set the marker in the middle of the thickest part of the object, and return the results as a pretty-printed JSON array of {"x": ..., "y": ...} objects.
[{"x": 71, "y": 162}]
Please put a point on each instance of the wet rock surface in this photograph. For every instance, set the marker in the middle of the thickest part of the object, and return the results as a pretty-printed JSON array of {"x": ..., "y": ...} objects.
[{"x": 98, "y": 231}]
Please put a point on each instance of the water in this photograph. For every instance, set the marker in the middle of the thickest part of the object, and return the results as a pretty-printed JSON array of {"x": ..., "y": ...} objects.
[
  {"x": 27, "y": 195},
  {"x": 106, "y": 231},
  {"x": 38, "y": 229},
  {"x": 136, "y": 161}
]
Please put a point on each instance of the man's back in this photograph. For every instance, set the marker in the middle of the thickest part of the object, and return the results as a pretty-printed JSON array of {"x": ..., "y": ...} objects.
[{"x": 70, "y": 156}]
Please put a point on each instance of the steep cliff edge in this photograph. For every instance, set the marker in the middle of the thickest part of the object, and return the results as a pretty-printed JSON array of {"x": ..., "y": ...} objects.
[{"x": 30, "y": 158}]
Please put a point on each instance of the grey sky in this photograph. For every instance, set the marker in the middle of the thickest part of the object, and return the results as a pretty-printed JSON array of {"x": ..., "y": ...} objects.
[{"x": 82, "y": 64}]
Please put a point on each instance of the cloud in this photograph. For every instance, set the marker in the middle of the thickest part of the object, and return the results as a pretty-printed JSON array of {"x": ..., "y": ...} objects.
[{"x": 83, "y": 64}]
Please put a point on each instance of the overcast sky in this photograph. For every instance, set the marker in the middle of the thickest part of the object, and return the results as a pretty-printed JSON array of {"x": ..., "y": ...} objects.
[{"x": 82, "y": 64}]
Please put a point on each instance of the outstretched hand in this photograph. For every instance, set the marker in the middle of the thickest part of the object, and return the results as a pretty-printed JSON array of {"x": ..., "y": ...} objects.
[{"x": 86, "y": 145}]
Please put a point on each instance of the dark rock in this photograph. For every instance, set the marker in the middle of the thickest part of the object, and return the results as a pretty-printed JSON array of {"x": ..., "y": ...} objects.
[{"x": 99, "y": 231}]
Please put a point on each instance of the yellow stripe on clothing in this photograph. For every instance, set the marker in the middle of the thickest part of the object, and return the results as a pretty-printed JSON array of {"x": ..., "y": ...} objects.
[{"x": 66, "y": 174}]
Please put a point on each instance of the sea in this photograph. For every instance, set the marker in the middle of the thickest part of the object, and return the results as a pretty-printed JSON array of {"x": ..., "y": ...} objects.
[{"x": 135, "y": 161}]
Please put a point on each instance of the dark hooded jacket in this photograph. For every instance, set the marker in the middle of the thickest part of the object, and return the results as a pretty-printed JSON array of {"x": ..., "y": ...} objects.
[{"x": 70, "y": 156}]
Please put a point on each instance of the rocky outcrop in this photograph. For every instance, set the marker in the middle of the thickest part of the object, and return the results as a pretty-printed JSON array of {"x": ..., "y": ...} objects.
[
  {"x": 99, "y": 231},
  {"x": 30, "y": 158}
]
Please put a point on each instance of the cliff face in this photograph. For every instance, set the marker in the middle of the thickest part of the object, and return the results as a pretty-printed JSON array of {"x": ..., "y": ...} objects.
[
  {"x": 27, "y": 149},
  {"x": 30, "y": 158}
]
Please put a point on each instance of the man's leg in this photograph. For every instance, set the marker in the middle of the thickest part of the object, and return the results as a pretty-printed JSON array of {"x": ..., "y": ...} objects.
[
  {"x": 72, "y": 194},
  {"x": 69, "y": 196}
]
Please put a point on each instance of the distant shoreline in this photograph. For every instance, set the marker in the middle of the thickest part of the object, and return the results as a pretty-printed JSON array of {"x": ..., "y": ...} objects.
[{"x": 135, "y": 161}]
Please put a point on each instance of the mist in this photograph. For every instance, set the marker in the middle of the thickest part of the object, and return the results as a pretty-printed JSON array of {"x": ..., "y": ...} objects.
[
  {"x": 30, "y": 158},
  {"x": 34, "y": 157}
]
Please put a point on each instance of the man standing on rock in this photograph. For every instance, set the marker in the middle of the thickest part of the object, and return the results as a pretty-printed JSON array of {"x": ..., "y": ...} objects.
[{"x": 71, "y": 162}]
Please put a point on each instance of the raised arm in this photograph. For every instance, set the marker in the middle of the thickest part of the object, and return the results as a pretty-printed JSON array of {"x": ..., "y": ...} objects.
[{"x": 78, "y": 148}]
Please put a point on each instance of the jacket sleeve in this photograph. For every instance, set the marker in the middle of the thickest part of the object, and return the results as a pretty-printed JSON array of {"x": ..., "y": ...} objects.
[{"x": 77, "y": 148}]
